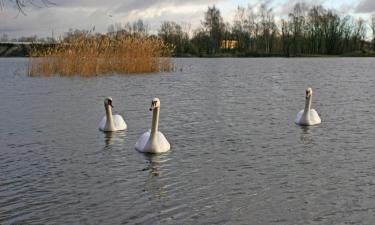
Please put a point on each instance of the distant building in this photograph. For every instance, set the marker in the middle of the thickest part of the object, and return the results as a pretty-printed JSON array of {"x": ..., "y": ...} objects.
[{"x": 228, "y": 44}]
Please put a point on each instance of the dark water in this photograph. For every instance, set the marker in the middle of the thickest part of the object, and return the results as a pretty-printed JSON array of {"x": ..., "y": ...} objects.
[{"x": 236, "y": 158}]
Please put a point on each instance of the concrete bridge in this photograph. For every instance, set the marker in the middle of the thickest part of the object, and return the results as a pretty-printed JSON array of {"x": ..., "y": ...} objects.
[{"x": 20, "y": 49}]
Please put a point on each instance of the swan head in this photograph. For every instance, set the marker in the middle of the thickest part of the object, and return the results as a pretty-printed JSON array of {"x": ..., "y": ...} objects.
[
  {"x": 108, "y": 102},
  {"x": 308, "y": 93},
  {"x": 155, "y": 103}
]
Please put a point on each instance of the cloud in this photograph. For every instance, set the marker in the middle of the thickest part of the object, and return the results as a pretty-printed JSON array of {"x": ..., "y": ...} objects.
[
  {"x": 366, "y": 6},
  {"x": 85, "y": 14},
  {"x": 138, "y": 5}
]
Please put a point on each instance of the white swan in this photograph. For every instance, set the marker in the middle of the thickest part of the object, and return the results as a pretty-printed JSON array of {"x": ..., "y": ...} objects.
[
  {"x": 111, "y": 122},
  {"x": 153, "y": 141},
  {"x": 308, "y": 116}
]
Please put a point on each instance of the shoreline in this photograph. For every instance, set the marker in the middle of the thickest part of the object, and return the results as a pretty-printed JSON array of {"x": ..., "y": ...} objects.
[
  {"x": 20, "y": 50},
  {"x": 234, "y": 56}
]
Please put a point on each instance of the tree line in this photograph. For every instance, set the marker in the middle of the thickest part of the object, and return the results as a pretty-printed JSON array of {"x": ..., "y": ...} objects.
[{"x": 255, "y": 32}]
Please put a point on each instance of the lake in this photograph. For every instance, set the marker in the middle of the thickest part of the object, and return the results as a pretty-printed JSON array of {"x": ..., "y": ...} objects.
[{"x": 236, "y": 158}]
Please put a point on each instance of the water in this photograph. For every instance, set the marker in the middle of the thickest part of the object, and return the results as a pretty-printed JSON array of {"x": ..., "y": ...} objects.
[{"x": 236, "y": 157}]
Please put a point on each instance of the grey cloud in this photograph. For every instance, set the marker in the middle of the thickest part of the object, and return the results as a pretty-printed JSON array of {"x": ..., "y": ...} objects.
[
  {"x": 146, "y": 4},
  {"x": 85, "y": 14},
  {"x": 128, "y": 5},
  {"x": 86, "y": 3},
  {"x": 366, "y": 6},
  {"x": 136, "y": 5}
]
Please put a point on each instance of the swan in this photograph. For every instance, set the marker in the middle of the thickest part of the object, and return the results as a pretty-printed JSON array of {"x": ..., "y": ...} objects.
[
  {"x": 153, "y": 141},
  {"x": 114, "y": 122},
  {"x": 308, "y": 116}
]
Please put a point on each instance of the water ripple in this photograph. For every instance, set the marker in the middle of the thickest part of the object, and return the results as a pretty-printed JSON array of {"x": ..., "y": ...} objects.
[{"x": 236, "y": 158}]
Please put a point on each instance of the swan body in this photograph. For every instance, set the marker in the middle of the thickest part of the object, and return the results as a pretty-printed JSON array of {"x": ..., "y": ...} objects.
[
  {"x": 308, "y": 116},
  {"x": 111, "y": 122},
  {"x": 153, "y": 141}
]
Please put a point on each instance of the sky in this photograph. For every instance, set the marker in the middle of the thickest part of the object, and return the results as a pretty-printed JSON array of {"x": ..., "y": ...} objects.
[{"x": 57, "y": 18}]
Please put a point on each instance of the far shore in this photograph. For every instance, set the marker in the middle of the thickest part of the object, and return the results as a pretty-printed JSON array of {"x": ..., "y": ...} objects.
[
  {"x": 23, "y": 51},
  {"x": 346, "y": 55}
]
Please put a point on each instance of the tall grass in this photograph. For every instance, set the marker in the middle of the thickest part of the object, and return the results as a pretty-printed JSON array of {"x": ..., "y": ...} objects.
[{"x": 87, "y": 55}]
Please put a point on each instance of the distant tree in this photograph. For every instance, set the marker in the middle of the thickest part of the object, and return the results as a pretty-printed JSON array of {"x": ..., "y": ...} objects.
[
  {"x": 359, "y": 34},
  {"x": 346, "y": 34},
  {"x": 285, "y": 37},
  {"x": 111, "y": 29},
  {"x": 4, "y": 38},
  {"x": 298, "y": 25},
  {"x": 28, "y": 39},
  {"x": 74, "y": 34},
  {"x": 213, "y": 23},
  {"x": 201, "y": 42},
  {"x": 331, "y": 24},
  {"x": 314, "y": 29},
  {"x": 140, "y": 28},
  {"x": 50, "y": 40},
  {"x": 175, "y": 34},
  {"x": 252, "y": 27},
  {"x": 239, "y": 29},
  {"x": 268, "y": 28},
  {"x": 136, "y": 28}
]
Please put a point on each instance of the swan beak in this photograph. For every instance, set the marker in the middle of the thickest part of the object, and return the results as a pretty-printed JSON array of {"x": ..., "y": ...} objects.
[{"x": 110, "y": 103}]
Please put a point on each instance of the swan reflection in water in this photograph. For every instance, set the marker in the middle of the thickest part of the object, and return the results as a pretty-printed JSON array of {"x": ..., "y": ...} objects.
[
  {"x": 306, "y": 135},
  {"x": 155, "y": 181},
  {"x": 114, "y": 139}
]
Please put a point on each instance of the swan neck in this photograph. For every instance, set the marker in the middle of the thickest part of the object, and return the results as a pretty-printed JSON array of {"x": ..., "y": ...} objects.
[
  {"x": 308, "y": 104},
  {"x": 155, "y": 121},
  {"x": 109, "y": 122}
]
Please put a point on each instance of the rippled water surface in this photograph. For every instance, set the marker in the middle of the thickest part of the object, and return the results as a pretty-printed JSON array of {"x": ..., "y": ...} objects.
[{"x": 236, "y": 157}]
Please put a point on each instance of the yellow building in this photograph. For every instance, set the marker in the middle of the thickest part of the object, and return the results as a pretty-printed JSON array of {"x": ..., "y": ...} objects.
[{"x": 228, "y": 44}]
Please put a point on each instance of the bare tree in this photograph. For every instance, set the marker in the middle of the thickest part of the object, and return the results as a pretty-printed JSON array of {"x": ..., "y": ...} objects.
[
  {"x": 359, "y": 34},
  {"x": 268, "y": 28},
  {"x": 285, "y": 37},
  {"x": 4, "y": 38},
  {"x": 240, "y": 23},
  {"x": 22, "y": 4},
  {"x": 175, "y": 34},
  {"x": 214, "y": 25},
  {"x": 252, "y": 27}
]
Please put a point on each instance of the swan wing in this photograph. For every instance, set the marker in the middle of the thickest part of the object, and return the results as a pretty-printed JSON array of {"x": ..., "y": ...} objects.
[
  {"x": 164, "y": 145},
  {"x": 299, "y": 117},
  {"x": 142, "y": 141},
  {"x": 102, "y": 123},
  {"x": 119, "y": 122},
  {"x": 314, "y": 117}
]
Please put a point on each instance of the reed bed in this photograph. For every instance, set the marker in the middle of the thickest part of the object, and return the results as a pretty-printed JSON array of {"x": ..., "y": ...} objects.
[{"x": 90, "y": 55}]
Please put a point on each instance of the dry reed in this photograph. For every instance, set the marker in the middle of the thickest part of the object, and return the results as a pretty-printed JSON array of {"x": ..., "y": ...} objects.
[{"x": 88, "y": 55}]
